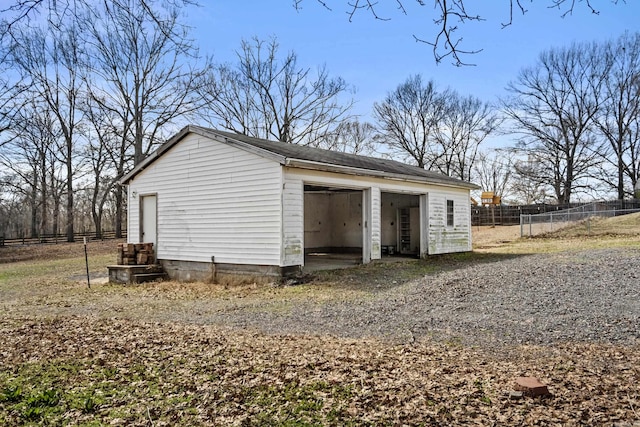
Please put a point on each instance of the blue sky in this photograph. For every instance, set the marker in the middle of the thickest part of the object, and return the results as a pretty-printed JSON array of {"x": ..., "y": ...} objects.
[{"x": 376, "y": 56}]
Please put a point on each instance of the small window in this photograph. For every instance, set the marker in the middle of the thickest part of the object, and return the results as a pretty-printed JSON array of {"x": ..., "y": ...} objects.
[{"x": 449, "y": 213}]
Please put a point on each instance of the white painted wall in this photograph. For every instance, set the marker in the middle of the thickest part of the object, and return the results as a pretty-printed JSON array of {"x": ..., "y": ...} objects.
[
  {"x": 347, "y": 213},
  {"x": 293, "y": 223},
  {"x": 318, "y": 226},
  {"x": 333, "y": 219},
  {"x": 442, "y": 238},
  {"x": 213, "y": 200}
]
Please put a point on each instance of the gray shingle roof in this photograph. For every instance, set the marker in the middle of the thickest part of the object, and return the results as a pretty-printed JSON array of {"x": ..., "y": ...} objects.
[{"x": 316, "y": 155}]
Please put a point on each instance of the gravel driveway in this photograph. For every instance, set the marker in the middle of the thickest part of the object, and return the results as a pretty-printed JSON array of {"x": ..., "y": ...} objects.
[{"x": 538, "y": 299}]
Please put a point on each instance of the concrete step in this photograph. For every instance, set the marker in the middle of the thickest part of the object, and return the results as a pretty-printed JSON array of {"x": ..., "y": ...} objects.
[
  {"x": 128, "y": 274},
  {"x": 149, "y": 277}
]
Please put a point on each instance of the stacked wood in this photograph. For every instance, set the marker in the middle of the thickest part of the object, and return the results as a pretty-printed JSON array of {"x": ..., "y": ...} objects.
[{"x": 136, "y": 254}]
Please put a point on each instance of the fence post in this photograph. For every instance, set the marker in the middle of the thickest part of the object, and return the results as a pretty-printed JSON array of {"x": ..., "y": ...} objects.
[
  {"x": 521, "y": 225},
  {"x": 551, "y": 220},
  {"x": 530, "y": 233}
]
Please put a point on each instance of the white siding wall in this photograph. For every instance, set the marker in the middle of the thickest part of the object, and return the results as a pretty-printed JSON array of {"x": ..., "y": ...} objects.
[
  {"x": 443, "y": 238},
  {"x": 213, "y": 200},
  {"x": 293, "y": 223}
]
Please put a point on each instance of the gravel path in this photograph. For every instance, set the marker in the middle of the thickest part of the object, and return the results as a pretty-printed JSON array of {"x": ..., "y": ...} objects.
[{"x": 534, "y": 299}]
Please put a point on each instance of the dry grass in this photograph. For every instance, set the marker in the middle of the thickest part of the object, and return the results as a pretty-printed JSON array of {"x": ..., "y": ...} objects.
[
  {"x": 597, "y": 233},
  {"x": 126, "y": 355},
  {"x": 63, "y": 250}
]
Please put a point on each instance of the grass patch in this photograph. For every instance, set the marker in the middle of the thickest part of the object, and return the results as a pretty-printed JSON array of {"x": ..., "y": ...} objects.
[{"x": 566, "y": 243}]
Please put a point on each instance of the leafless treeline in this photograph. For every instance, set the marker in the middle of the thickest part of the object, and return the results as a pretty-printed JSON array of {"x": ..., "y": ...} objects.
[
  {"x": 89, "y": 88},
  {"x": 574, "y": 117}
]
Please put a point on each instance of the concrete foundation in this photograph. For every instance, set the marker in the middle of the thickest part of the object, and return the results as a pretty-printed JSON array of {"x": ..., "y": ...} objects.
[{"x": 191, "y": 271}]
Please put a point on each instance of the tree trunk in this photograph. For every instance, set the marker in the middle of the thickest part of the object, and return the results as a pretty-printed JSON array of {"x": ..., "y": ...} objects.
[
  {"x": 44, "y": 201},
  {"x": 97, "y": 222},
  {"x": 69, "y": 161},
  {"x": 621, "y": 167},
  {"x": 34, "y": 213}
]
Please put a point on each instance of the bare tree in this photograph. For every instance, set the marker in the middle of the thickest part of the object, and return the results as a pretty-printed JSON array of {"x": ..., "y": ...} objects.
[
  {"x": 493, "y": 171},
  {"x": 21, "y": 11},
  {"x": 619, "y": 117},
  {"x": 10, "y": 105},
  {"x": 553, "y": 107},
  {"x": 22, "y": 178},
  {"x": 530, "y": 181},
  {"x": 409, "y": 118},
  {"x": 265, "y": 96},
  {"x": 354, "y": 137},
  {"x": 467, "y": 122},
  {"x": 141, "y": 56},
  {"x": 101, "y": 152},
  {"x": 142, "y": 84},
  {"x": 115, "y": 75},
  {"x": 31, "y": 154},
  {"x": 50, "y": 61},
  {"x": 447, "y": 17}
]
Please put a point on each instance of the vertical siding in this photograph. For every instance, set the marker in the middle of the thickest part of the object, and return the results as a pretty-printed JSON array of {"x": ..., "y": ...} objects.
[
  {"x": 292, "y": 223},
  {"x": 444, "y": 239},
  {"x": 376, "y": 223},
  {"x": 213, "y": 200}
]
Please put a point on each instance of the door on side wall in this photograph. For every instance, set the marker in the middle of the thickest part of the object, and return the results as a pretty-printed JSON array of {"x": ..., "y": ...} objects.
[{"x": 149, "y": 220}]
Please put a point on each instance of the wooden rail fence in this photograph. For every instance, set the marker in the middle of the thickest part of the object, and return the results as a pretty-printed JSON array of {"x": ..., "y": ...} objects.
[{"x": 57, "y": 238}]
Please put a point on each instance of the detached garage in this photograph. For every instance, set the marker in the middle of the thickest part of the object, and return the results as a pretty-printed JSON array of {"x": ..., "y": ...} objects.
[{"x": 214, "y": 201}]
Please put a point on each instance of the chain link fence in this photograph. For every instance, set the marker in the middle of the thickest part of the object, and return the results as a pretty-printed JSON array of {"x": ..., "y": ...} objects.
[{"x": 535, "y": 224}]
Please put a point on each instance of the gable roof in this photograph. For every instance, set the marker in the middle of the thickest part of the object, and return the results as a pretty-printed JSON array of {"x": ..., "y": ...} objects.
[{"x": 307, "y": 157}]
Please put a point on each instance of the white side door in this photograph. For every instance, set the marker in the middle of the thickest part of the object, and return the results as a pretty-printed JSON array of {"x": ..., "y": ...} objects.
[{"x": 149, "y": 223}]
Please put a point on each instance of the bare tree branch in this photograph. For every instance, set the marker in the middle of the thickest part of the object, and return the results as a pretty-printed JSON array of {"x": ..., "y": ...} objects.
[
  {"x": 268, "y": 97},
  {"x": 448, "y": 18}
]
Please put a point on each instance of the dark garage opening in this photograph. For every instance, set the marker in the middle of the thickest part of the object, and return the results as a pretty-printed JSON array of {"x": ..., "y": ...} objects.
[
  {"x": 333, "y": 231},
  {"x": 400, "y": 224}
]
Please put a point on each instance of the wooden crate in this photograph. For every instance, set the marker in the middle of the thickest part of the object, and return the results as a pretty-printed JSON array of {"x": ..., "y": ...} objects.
[{"x": 135, "y": 254}]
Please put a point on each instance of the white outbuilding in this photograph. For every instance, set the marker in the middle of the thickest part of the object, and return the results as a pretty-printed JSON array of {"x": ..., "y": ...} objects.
[{"x": 216, "y": 201}]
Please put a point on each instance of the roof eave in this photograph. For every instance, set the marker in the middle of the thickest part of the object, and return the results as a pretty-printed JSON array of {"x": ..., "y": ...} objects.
[{"x": 326, "y": 167}]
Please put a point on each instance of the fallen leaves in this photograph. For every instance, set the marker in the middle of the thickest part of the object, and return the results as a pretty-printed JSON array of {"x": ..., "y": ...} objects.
[{"x": 123, "y": 372}]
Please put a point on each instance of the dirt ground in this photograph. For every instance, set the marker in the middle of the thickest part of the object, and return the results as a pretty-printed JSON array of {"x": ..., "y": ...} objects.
[
  {"x": 488, "y": 236},
  {"x": 50, "y": 251}
]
